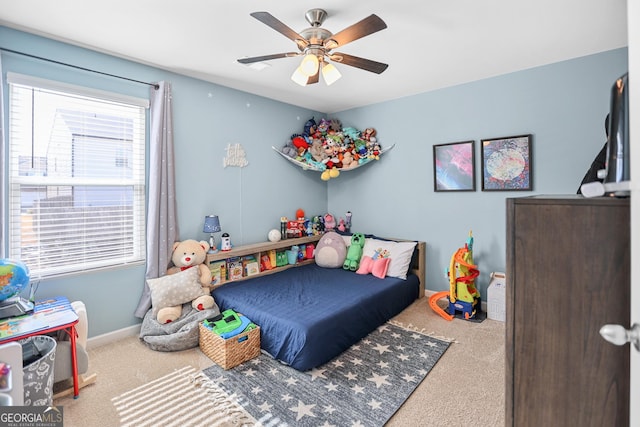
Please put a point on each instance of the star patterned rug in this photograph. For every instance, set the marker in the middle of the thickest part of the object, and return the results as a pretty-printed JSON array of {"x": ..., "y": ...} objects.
[{"x": 362, "y": 387}]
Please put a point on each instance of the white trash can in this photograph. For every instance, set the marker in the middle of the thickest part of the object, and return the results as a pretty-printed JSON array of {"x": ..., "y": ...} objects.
[
  {"x": 38, "y": 358},
  {"x": 496, "y": 297}
]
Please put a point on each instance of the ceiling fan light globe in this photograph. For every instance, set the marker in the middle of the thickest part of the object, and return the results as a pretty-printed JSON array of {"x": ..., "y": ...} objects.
[
  {"x": 330, "y": 74},
  {"x": 299, "y": 77},
  {"x": 309, "y": 65}
]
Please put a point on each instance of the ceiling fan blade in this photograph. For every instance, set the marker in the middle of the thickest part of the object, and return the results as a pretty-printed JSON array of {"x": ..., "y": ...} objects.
[
  {"x": 354, "y": 61},
  {"x": 368, "y": 25},
  {"x": 273, "y": 22},
  {"x": 267, "y": 57}
]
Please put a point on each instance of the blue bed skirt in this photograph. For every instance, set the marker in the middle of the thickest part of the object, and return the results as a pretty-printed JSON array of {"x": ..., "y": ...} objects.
[{"x": 308, "y": 315}]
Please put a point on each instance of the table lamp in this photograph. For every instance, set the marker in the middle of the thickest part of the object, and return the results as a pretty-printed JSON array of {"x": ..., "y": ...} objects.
[{"x": 212, "y": 225}]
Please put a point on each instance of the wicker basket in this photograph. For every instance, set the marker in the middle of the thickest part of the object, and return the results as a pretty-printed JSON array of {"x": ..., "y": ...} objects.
[{"x": 232, "y": 351}]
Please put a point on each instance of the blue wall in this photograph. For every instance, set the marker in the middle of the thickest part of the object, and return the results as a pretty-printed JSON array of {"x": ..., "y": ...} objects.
[
  {"x": 207, "y": 118},
  {"x": 562, "y": 105}
]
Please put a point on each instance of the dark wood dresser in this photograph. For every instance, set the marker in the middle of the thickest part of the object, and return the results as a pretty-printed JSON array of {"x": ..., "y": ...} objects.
[{"x": 568, "y": 274}]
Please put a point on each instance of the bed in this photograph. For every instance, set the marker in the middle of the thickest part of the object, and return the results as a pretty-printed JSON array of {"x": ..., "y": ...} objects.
[{"x": 310, "y": 314}]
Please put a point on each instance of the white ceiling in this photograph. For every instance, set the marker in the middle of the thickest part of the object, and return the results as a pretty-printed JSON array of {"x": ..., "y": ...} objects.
[{"x": 428, "y": 44}]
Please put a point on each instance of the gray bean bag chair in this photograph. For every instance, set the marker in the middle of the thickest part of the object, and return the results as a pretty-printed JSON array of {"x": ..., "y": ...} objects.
[{"x": 180, "y": 334}]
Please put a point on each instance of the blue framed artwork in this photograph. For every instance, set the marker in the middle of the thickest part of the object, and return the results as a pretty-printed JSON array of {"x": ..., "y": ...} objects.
[
  {"x": 454, "y": 166},
  {"x": 506, "y": 164}
]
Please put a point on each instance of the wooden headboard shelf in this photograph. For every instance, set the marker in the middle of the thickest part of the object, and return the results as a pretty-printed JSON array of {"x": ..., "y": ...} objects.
[{"x": 258, "y": 249}]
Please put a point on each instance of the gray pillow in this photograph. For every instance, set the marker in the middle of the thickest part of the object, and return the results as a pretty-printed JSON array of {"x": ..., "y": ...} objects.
[{"x": 175, "y": 289}]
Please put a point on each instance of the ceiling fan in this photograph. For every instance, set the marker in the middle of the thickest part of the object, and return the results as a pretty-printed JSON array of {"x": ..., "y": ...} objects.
[{"x": 316, "y": 44}]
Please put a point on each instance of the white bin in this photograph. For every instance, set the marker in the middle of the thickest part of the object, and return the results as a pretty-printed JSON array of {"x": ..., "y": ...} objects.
[
  {"x": 38, "y": 358},
  {"x": 496, "y": 297}
]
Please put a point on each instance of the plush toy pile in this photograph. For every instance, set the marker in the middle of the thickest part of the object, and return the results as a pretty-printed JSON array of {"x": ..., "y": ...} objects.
[{"x": 328, "y": 147}]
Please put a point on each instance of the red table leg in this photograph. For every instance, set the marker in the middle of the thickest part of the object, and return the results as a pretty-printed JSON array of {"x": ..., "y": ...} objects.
[{"x": 74, "y": 361}]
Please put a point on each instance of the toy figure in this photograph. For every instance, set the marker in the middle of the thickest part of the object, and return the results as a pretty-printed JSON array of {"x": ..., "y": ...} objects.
[
  {"x": 348, "y": 221},
  {"x": 226, "y": 242}
]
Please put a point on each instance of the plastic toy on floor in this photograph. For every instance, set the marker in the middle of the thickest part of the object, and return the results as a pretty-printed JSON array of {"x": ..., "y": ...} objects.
[{"x": 463, "y": 296}]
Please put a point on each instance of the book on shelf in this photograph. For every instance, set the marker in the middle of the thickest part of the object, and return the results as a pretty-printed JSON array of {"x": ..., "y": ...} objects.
[
  {"x": 218, "y": 272},
  {"x": 234, "y": 268}
]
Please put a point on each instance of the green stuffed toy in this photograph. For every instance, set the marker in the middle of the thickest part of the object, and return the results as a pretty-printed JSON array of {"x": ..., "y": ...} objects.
[{"x": 352, "y": 261}]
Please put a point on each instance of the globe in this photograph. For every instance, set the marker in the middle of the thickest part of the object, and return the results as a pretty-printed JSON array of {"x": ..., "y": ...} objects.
[
  {"x": 275, "y": 235},
  {"x": 14, "y": 278}
]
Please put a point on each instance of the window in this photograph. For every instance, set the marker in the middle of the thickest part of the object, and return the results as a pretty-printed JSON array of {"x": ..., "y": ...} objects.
[{"x": 76, "y": 177}]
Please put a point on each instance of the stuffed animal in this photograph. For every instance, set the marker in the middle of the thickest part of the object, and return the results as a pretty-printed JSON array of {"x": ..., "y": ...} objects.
[
  {"x": 309, "y": 127},
  {"x": 369, "y": 135},
  {"x": 348, "y": 161},
  {"x": 317, "y": 151},
  {"x": 329, "y": 222},
  {"x": 327, "y": 174},
  {"x": 289, "y": 150},
  {"x": 354, "y": 253},
  {"x": 330, "y": 251},
  {"x": 192, "y": 285}
]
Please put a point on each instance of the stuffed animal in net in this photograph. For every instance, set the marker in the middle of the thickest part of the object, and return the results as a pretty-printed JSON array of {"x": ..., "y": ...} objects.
[
  {"x": 354, "y": 253},
  {"x": 189, "y": 280}
]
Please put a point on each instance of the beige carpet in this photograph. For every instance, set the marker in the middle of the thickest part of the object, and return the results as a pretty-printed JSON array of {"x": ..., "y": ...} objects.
[{"x": 466, "y": 387}]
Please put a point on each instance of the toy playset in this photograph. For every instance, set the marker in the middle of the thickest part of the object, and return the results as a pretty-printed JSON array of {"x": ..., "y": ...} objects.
[
  {"x": 229, "y": 324},
  {"x": 463, "y": 296}
]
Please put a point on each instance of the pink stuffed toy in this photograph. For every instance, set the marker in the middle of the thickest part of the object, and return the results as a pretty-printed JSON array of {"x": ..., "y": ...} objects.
[{"x": 329, "y": 222}]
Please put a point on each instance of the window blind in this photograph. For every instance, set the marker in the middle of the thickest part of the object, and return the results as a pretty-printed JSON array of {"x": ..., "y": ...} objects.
[{"x": 76, "y": 178}]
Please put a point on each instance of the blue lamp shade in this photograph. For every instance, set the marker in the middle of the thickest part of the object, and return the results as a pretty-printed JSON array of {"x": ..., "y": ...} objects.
[{"x": 211, "y": 224}]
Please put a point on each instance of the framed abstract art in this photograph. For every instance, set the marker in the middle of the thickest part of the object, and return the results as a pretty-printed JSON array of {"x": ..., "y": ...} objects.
[
  {"x": 454, "y": 166},
  {"x": 506, "y": 164}
]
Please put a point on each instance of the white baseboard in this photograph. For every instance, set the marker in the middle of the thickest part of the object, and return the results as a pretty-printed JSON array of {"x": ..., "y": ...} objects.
[
  {"x": 110, "y": 337},
  {"x": 428, "y": 293}
]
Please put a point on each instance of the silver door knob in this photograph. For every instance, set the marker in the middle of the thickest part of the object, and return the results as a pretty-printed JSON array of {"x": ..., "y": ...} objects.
[{"x": 618, "y": 335}]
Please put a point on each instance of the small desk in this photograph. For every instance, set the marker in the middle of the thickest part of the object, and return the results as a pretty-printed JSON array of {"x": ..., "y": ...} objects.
[{"x": 48, "y": 316}]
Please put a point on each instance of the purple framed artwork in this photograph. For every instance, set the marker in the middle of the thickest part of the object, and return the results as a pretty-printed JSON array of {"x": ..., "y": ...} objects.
[
  {"x": 454, "y": 167},
  {"x": 506, "y": 164}
]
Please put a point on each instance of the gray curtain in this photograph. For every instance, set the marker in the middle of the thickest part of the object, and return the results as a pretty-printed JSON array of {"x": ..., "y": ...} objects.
[
  {"x": 3, "y": 169},
  {"x": 162, "y": 221}
]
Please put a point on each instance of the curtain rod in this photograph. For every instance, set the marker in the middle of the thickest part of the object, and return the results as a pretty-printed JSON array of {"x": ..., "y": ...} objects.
[{"x": 155, "y": 85}]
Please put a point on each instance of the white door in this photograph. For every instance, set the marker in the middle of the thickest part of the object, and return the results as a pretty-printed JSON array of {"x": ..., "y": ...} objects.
[
  {"x": 618, "y": 333},
  {"x": 633, "y": 27}
]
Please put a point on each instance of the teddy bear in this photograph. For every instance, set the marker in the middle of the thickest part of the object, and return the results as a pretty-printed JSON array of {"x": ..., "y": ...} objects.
[
  {"x": 192, "y": 279},
  {"x": 354, "y": 253},
  {"x": 317, "y": 151}
]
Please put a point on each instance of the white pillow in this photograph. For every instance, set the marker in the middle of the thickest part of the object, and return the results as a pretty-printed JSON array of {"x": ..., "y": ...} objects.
[
  {"x": 175, "y": 289},
  {"x": 399, "y": 252}
]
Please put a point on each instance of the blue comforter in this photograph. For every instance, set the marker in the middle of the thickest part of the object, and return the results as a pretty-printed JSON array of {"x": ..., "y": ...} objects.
[{"x": 308, "y": 315}]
